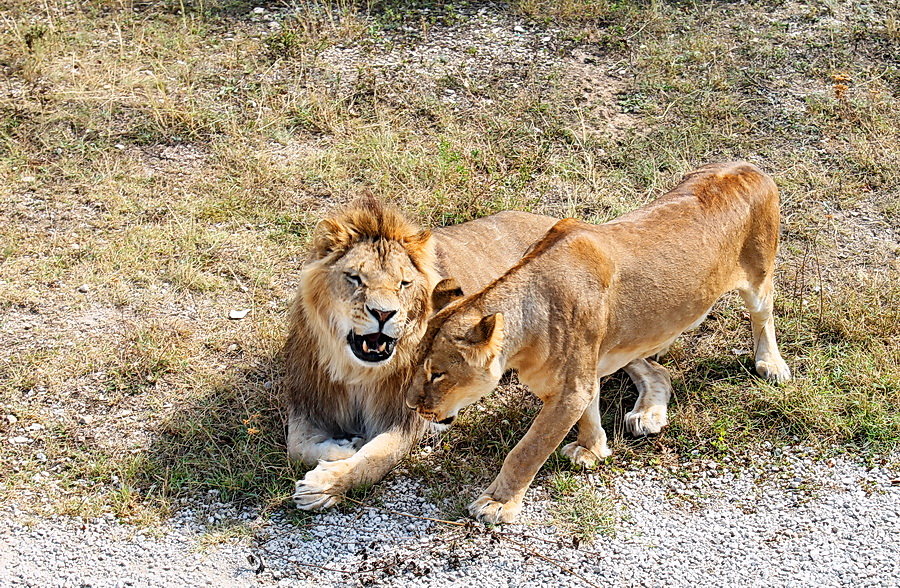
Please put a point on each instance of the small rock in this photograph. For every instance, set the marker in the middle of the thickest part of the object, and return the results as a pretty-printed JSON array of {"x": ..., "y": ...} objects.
[
  {"x": 35, "y": 427},
  {"x": 237, "y": 315},
  {"x": 233, "y": 347},
  {"x": 259, "y": 10},
  {"x": 84, "y": 288},
  {"x": 85, "y": 419},
  {"x": 19, "y": 440},
  {"x": 11, "y": 419},
  {"x": 519, "y": 29}
]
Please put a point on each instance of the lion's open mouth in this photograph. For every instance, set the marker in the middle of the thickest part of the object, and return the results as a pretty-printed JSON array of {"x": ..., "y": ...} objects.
[{"x": 373, "y": 347}]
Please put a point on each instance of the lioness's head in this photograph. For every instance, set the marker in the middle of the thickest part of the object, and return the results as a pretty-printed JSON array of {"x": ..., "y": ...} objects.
[
  {"x": 460, "y": 363},
  {"x": 368, "y": 282}
]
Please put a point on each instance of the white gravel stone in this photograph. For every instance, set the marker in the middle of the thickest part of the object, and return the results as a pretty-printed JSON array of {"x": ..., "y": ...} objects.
[{"x": 737, "y": 527}]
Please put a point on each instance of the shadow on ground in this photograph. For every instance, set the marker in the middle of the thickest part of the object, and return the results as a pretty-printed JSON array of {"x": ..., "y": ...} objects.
[{"x": 230, "y": 439}]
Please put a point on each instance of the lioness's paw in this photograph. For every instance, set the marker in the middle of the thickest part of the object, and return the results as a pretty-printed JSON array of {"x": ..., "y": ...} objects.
[
  {"x": 648, "y": 421},
  {"x": 774, "y": 370},
  {"x": 584, "y": 457},
  {"x": 322, "y": 486},
  {"x": 490, "y": 511}
]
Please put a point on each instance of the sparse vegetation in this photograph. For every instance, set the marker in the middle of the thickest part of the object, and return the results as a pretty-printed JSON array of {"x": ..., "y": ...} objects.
[
  {"x": 579, "y": 509},
  {"x": 172, "y": 157}
]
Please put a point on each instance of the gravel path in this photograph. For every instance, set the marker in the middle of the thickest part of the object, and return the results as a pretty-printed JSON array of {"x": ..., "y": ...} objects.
[{"x": 788, "y": 518}]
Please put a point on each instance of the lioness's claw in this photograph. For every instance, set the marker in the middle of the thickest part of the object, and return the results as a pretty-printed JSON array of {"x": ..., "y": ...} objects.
[
  {"x": 648, "y": 421},
  {"x": 493, "y": 512},
  {"x": 775, "y": 370},
  {"x": 584, "y": 457}
]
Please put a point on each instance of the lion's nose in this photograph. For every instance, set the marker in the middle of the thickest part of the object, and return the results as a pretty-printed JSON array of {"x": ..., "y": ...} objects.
[{"x": 382, "y": 316}]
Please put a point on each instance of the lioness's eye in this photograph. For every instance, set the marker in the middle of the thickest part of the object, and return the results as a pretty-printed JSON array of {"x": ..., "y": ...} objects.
[
  {"x": 405, "y": 283},
  {"x": 353, "y": 279},
  {"x": 435, "y": 376}
]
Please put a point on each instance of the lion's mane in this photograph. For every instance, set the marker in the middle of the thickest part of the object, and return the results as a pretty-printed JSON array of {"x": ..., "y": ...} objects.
[{"x": 322, "y": 384}]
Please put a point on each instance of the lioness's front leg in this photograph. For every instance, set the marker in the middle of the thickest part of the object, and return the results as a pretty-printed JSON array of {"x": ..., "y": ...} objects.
[
  {"x": 654, "y": 385},
  {"x": 310, "y": 445},
  {"x": 502, "y": 500},
  {"x": 323, "y": 486},
  {"x": 590, "y": 447},
  {"x": 759, "y": 300}
]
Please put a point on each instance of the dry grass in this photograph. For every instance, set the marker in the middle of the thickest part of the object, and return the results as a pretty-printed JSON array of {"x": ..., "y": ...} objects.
[{"x": 172, "y": 158}]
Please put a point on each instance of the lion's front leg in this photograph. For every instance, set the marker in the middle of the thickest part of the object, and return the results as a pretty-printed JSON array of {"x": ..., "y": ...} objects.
[
  {"x": 309, "y": 445},
  {"x": 502, "y": 500},
  {"x": 324, "y": 485}
]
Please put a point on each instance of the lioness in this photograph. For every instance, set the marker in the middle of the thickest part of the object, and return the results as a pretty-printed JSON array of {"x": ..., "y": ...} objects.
[
  {"x": 365, "y": 294},
  {"x": 588, "y": 299}
]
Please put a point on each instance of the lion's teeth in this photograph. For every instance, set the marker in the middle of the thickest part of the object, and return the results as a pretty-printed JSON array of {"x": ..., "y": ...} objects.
[
  {"x": 381, "y": 347},
  {"x": 365, "y": 346}
]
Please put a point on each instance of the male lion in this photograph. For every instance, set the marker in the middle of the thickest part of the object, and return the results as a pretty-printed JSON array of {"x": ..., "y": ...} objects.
[
  {"x": 365, "y": 294},
  {"x": 588, "y": 299}
]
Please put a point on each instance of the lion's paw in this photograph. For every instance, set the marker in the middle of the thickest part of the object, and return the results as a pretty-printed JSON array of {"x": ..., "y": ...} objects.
[
  {"x": 774, "y": 369},
  {"x": 321, "y": 487},
  {"x": 584, "y": 457},
  {"x": 648, "y": 421},
  {"x": 338, "y": 449},
  {"x": 490, "y": 511}
]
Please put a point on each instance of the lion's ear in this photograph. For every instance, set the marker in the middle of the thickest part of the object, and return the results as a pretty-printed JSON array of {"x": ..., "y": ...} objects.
[
  {"x": 484, "y": 341},
  {"x": 417, "y": 241},
  {"x": 446, "y": 291},
  {"x": 328, "y": 236}
]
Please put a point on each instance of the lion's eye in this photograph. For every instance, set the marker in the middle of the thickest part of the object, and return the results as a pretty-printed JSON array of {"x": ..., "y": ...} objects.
[
  {"x": 435, "y": 376},
  {"x": 353, "y": 279},
  {"x": 404, "y": 284}
]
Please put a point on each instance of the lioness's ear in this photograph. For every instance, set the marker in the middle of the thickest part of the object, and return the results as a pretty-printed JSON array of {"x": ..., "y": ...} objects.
[
  {"x": 446, "y": 291},
  {"x": 485, "y": 340},
  {"x": 328, "y": 236}
]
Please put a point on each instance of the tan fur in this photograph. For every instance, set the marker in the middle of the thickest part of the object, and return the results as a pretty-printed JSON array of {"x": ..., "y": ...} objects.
[{"x": 590, "y": 299}]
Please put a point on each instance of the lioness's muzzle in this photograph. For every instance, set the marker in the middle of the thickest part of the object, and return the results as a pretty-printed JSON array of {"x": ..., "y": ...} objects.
[{"x": 430, "y": 416}]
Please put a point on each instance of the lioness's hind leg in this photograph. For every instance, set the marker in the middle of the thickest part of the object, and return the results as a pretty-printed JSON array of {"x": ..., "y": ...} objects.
[
  {"x": 591, "y": 444},
  {"x": 654, "y": 385},
  {"x": 759, "y": 301}
]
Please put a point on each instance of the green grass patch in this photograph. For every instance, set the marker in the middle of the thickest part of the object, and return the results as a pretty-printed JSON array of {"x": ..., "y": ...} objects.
[{"x": 579, "y": 509}]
